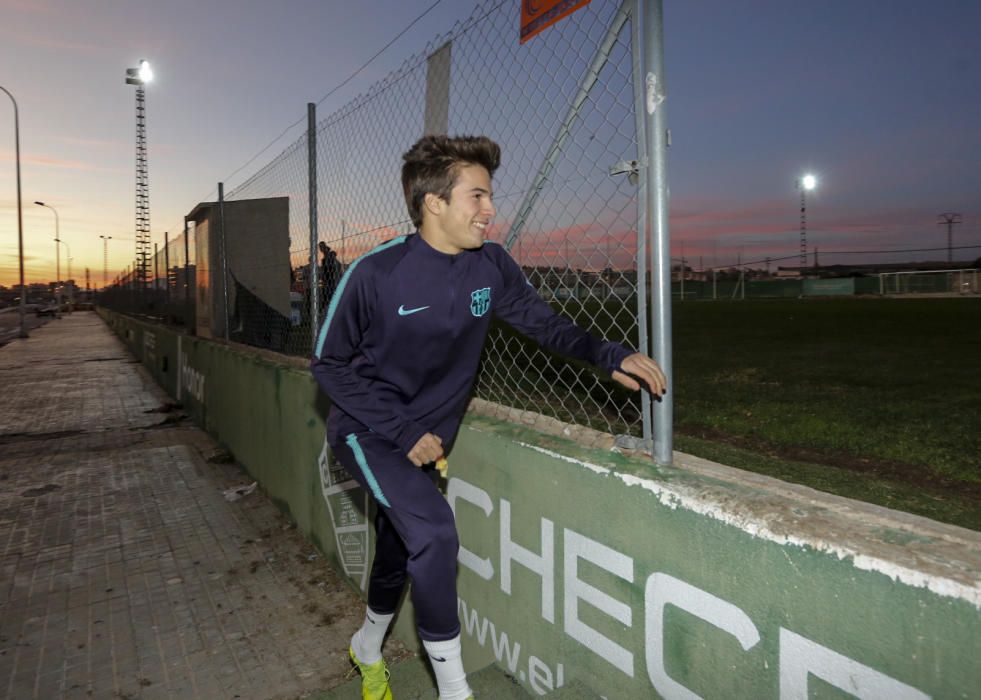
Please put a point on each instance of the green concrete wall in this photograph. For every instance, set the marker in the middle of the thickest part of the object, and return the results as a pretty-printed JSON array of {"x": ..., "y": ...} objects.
[
  {"x": 588, "y": 565},
  {"x": 268, "y": 414},
  {"x": 155, "y": 347}
]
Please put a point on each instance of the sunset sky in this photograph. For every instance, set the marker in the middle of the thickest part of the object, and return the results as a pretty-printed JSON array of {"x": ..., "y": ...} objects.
[{"x": 879, "y": 98}]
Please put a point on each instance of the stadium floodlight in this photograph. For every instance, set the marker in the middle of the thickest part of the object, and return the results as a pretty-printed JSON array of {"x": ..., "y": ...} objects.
[
  {"x": 141, "y": 75},
  {"x": 105, "y": 260},
  {"x": 805, "y": 183}
]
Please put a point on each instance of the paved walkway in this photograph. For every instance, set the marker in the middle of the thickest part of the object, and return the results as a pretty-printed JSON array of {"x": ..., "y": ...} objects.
[{"x": 124, "y": 572}]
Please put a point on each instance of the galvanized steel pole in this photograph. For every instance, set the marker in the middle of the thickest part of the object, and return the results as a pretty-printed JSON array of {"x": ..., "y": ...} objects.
[
  {"x": 167, "y": 268},
  {"x": 57, "y": 239},
  {"x": 68, "y": 259},
  {"x": 313, "y": 277},
  {"x": 189, "y": 322},
  {"x": 224, "y": 255},
  {"x": 658, "y": 140}
]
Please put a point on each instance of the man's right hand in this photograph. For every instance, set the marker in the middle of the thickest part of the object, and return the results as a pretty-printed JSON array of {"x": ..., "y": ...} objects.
[{"x": 428, "y": 449}]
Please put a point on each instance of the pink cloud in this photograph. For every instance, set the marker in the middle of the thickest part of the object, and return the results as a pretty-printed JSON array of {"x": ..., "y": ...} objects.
[
  {"x": 96, "y": 143},
  {"x": 707, "y": 234},
  {"x": 722, "y": 234},
  {"x": 44, "y": 161},
  {"x": 57, "y": 163},
  {"x": 53, "y": 43}
]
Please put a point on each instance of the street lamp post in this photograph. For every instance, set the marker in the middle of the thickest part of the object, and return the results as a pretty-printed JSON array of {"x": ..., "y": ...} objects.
[
  {"x": 71, "y": 291},
  {"x": 57, "y": 239},
  {"x": 20, "y": 218},
  {"x": 804, "y": 184}
]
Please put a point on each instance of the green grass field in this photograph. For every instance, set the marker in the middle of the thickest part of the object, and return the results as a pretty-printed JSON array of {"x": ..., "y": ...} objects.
[{"x": 874, "y": 399}]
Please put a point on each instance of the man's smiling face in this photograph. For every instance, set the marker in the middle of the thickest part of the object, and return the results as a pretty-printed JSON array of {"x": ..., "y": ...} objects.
[{"x": 460, "y": 223}]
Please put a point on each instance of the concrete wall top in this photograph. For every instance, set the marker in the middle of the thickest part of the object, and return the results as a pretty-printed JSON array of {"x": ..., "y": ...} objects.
[{"x": 910, "y": 549}]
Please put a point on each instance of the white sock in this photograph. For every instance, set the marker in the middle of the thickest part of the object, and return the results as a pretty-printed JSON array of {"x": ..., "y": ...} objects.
[
  {"x": 447, "y": 660},
  {"x": 367, "y": 641}
]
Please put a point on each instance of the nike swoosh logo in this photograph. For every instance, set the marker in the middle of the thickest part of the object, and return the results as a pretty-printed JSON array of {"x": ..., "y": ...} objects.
[
  {"x": 437, "y": 658},
  {"x": 406, "y": 312}
]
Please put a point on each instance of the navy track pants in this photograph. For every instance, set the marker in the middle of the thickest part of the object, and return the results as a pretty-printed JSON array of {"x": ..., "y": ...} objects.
[{"x": 416, "y": 534}]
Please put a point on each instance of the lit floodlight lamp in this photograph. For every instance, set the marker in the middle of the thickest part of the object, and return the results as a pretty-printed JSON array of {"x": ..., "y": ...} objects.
[
  {"x": 141, "y": 75},
  {"x": 808, "y": 182}
]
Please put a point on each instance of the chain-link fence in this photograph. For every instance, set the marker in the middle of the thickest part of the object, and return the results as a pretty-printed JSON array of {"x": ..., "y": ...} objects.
[
  {"x": 562, "y": 109},
  {"x": 169, "y": 292},
  {"x": 260, "y": 265}
]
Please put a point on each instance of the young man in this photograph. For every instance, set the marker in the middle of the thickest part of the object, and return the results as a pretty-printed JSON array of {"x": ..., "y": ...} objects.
[{"x": 397, "y": 355}]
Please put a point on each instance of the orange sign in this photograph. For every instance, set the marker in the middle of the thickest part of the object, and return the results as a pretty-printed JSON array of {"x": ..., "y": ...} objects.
[{"x": 538, "y": 14}]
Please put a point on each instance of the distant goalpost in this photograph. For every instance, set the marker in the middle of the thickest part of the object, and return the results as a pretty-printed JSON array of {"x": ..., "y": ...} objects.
[{"x": 929, "y": 282}]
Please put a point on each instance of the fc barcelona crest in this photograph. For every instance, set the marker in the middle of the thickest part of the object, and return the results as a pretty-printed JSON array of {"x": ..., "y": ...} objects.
[{"x": 480, "y": 301}]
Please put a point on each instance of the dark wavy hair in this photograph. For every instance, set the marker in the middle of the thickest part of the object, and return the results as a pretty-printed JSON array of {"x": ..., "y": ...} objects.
[{"x": 433, "y": 164}]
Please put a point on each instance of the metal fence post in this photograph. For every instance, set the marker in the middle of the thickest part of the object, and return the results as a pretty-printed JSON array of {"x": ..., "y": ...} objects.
[
  {"x": 167, "y": 268},
  {"x": 637, "y": 56},
  {"x": 657, "y": 194},
  {"x": 188, "y": 321},
  {"x": 313, "y": 277},
  {"x": 224, "y": 257}
]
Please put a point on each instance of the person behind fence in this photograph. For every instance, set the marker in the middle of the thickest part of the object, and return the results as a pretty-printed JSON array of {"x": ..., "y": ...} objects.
[
  {"x": 330, "y": 274},
  {"x": 398, "y": 355}
]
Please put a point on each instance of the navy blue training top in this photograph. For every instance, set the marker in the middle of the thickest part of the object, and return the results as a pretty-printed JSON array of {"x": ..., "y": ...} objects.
[{"x": 400, "y": 345}]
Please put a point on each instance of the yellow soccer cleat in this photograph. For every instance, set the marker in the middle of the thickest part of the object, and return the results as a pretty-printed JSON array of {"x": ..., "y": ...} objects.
[{"x": 374, "y": 678}]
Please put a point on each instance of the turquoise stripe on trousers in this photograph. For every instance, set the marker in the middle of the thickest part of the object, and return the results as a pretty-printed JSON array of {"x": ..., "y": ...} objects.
[{"x": 369, "y": 476}]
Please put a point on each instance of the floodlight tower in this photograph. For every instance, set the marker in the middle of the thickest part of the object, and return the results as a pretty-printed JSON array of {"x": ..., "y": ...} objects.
[
  {"x": 105, "y": 260},
  {"x": 804, "y": 184},
  {"x": 950, "y": 219},
  {"x": 140, "y": 77}
]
